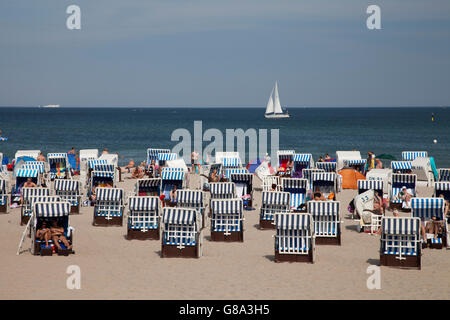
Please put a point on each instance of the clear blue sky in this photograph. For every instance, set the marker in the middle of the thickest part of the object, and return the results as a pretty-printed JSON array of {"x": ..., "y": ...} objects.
[{"x": 224, "y": 53}]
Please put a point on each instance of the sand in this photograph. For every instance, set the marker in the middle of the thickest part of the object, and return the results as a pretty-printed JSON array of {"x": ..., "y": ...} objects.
[{"x": 115, "y": 268}]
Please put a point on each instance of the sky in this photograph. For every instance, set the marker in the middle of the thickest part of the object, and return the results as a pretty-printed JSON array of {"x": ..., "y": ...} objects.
[{"x": 204, "y": 53}]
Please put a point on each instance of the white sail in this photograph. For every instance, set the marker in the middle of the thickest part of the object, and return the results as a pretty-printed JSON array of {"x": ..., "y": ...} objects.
[
  {"x": 269, "y": 108},
  {"x": 277, "y": 104}
]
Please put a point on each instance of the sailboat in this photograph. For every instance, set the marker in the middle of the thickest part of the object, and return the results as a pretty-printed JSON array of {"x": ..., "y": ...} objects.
[{"x": 273, "y": 109}]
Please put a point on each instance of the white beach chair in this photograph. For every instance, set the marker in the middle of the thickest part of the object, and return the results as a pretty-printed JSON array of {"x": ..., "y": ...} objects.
[
  {"x": 144, "y": 218},
  {"x": 425, "y": 209},
  {"x": 227, "y": 220},
  {"x": 297, "y": 188},
  {"x": 70, "y": 191},
  {"x": 193, "y": 199},
  {"x": 109, "y": 207},
  {"x": 327, "y": 221},
  {"x": 273, "y": 202}
]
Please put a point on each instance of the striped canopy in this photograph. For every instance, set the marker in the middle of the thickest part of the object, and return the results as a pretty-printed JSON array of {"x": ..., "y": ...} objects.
[
  {"x": 294, "y": 183},
  {"x": 242, "y": 177},
  {"x": 326, "y": 166},
  {"x": 293, "y": 221},
  {"x": 276, "y": 198},
  {"x": 57, "y": 156},
  {"x": 66, "y": 185},
  {"x": 307, "y": 173},
  {"x": 33, "y": 192},
  {"x": 411, "y": 155},
  {"x": 323, "y": 176},
  {"x": 172, "y": 174},
  {"x": 104, "y": 167},
  {"x": 302, "y": 157},
  {"x": 109, "y": 194},
  {"x": 231, "y": 162},
  {"x": 283, "y": 154},
  {"x": 35, "y": 165},
  {"x": 230, "y": 171},
  {"x": 52, "y": 209},
  {"x": 401, "y": 165},
  {"x": 231, "y": 206},
  {"x": 427, "y": 208},
  {"x": 27, "y": 173},
  {"x": 355, "y": 162},
  {"x": 370, "y": 184},
  {"x": 46, "y": 199},
  {"x": 152, "y": 154},
  {"x": 179, "y": 216},
  {"x": 103, "y": 174},
  {"x": 217, "y": 188},
  {"x": 151, "y": 182},
  {"x": 190, "y": 197},
  {"x": 167, "y": 156},
  {"x": 144, "y": 203},
  {"x": 444, "y": 174},
  {"x": 403, "y": 178},
  {"x": 442, "y": 186},
  {"x": 93, "y": 163},
  {"x": 324, "y": 208},
  {"x": 400, "y": 226}
]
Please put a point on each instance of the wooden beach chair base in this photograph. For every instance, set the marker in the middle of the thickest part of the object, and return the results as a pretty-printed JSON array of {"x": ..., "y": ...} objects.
[
  {"x": 102, "y": 221},
  {"x": 266, "y": 224},
  {"x": 394, "y": 206},
  {"x": 152, "y": 234},
  {"x": 3, "y": 208},
  {"x": 283, "y": 257},
  {"x": 409, "y": 262},
  {"x": 234, "y": 236},
  {"x": 75, "y": 209},
  {"x": 24, "y": 220},
  {"x": 336, "y": 241},
  {"x": 437, "y": 245},
  {"x": 172, "y": 251}
]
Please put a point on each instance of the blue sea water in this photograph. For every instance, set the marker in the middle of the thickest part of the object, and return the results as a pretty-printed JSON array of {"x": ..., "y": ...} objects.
[{"x": 130, "y": 131}]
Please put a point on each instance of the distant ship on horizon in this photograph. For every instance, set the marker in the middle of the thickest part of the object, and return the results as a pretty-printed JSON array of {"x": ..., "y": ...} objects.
[{"x": 50, "y": 106}]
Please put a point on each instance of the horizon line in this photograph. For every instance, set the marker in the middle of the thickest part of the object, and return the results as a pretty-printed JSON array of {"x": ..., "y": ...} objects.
[{"x": 228, "y": 106}]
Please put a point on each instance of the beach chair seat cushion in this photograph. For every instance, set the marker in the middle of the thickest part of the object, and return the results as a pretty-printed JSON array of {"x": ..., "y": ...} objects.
[
  {"x": 290, "y": 240},
  {"x": 138, "y": 226},
  {"x": 179, "y": 241},
  {"x": 405, "y": 252},
  {"x": 112, "y": 213},
  {"x": 332, "y": 231}
]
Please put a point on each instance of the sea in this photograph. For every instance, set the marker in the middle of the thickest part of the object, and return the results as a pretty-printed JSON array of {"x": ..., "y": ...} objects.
[{"x": 130, "y": 131}]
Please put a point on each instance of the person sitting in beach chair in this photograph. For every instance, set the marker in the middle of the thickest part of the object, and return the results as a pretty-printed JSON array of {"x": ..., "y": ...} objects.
[
  {"x": 173, "y": 194},
  {"x": 433, "y": 226},
  {"x": 44, "y": 233},
  {"x": 138, "y": 173},
  {"x": 152, "y": 169},
  {"x": 214, "y": 177},
  {"x": 318, "y": 196},
  {"x": 129, "y": 166},
  {"x": 406, "y": 197},
  {"x": 57, "y": 234}
]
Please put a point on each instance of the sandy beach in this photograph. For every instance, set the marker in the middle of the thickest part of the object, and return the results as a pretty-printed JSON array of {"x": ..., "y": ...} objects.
[{"x": 115, "y": 268}]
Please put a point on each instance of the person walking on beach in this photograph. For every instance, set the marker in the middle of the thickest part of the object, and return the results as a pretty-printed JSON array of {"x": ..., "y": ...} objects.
[
  {"x": 105, "y": 151},
  {"x": 194, "y": 161},
  {"x": 72, "y": 151},
  {"x": 41, "y": 157}
]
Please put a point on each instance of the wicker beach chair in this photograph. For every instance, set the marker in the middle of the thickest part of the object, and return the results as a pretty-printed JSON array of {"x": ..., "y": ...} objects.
[
  {"x": 297, "y": 188},
  {"x": 294, "y": 238},
  {"x": 412, "y": 155},
  {"x": 227, "y": 220},
  {"x": 400, "y": 242},
  {"x": 109, "y": 207},
  {"x": 70, "y": 191},
  {"x": 327, "y": 221},
  {"x": 27, "y": 194},
  {"x": 59, "y": 167},
  {"x": 144, "y": 218},
  {"x": 273, "y": 202},
  {"x": 193, "y": 199},
  {"x": 425, "y": 209}
]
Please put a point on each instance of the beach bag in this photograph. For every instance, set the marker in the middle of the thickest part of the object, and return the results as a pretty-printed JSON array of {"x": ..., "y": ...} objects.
[{"x": 351, "y": 206}]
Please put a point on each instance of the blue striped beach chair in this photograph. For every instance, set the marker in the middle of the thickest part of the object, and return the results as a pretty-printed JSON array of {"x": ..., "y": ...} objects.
[
  {"x": 244, "y": 187},
  {"x": 109, "y": 205},
  {"x": 302, "y": 161},
  {"x": 100, "y": 179},
  {"x": 357, "y": 164},
  {"x": 268, "y": 181},
  {"x": 307, "y": 174},
  {"x": 4, "y": 196},
  {"x": 222, "y": 190},
  {"x": 401, "y": 166},
  {"x": 182, "y": 236},
  {"x": 297, "y": 188},
  {"x": 294, "y": 238},
  {"x": 193, "y": 199},
  {"x": 171, "y": 177},
  {"x": 399, "y": 181},
  {"x": 324, "y": 182},
  {"x": 284, "y": 157},
  {"x": 165, "y": 156},
  {"x": 442, "y": 188},
  {"x": 152, "y": 154},
  {"x": 144, "y": 217},
  {"x": 425, "y": 209},
  {"x": 148, "y": 187},
  {"x": 273, "y": 202},
  {"x": 20, "y": 177},
  {"x": 59, "y": 167},
  {"x": 48, "y": 212},
  {"x": 35, "y": 165},
  {"x": 400, "y": 244},
  {"x": 227, "y": 220},
  {"x": 327, "y": 223},
  {"x": 412, "y": 155},
  {"x": 27, "y": 194},
  {"x": 376, "y": 185},
  {"x": 326, "y": 166},
  {"x": 70, "y": 191},
  {"x": 444, "y": 174},
  {"x": 231, "y": 162}
]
